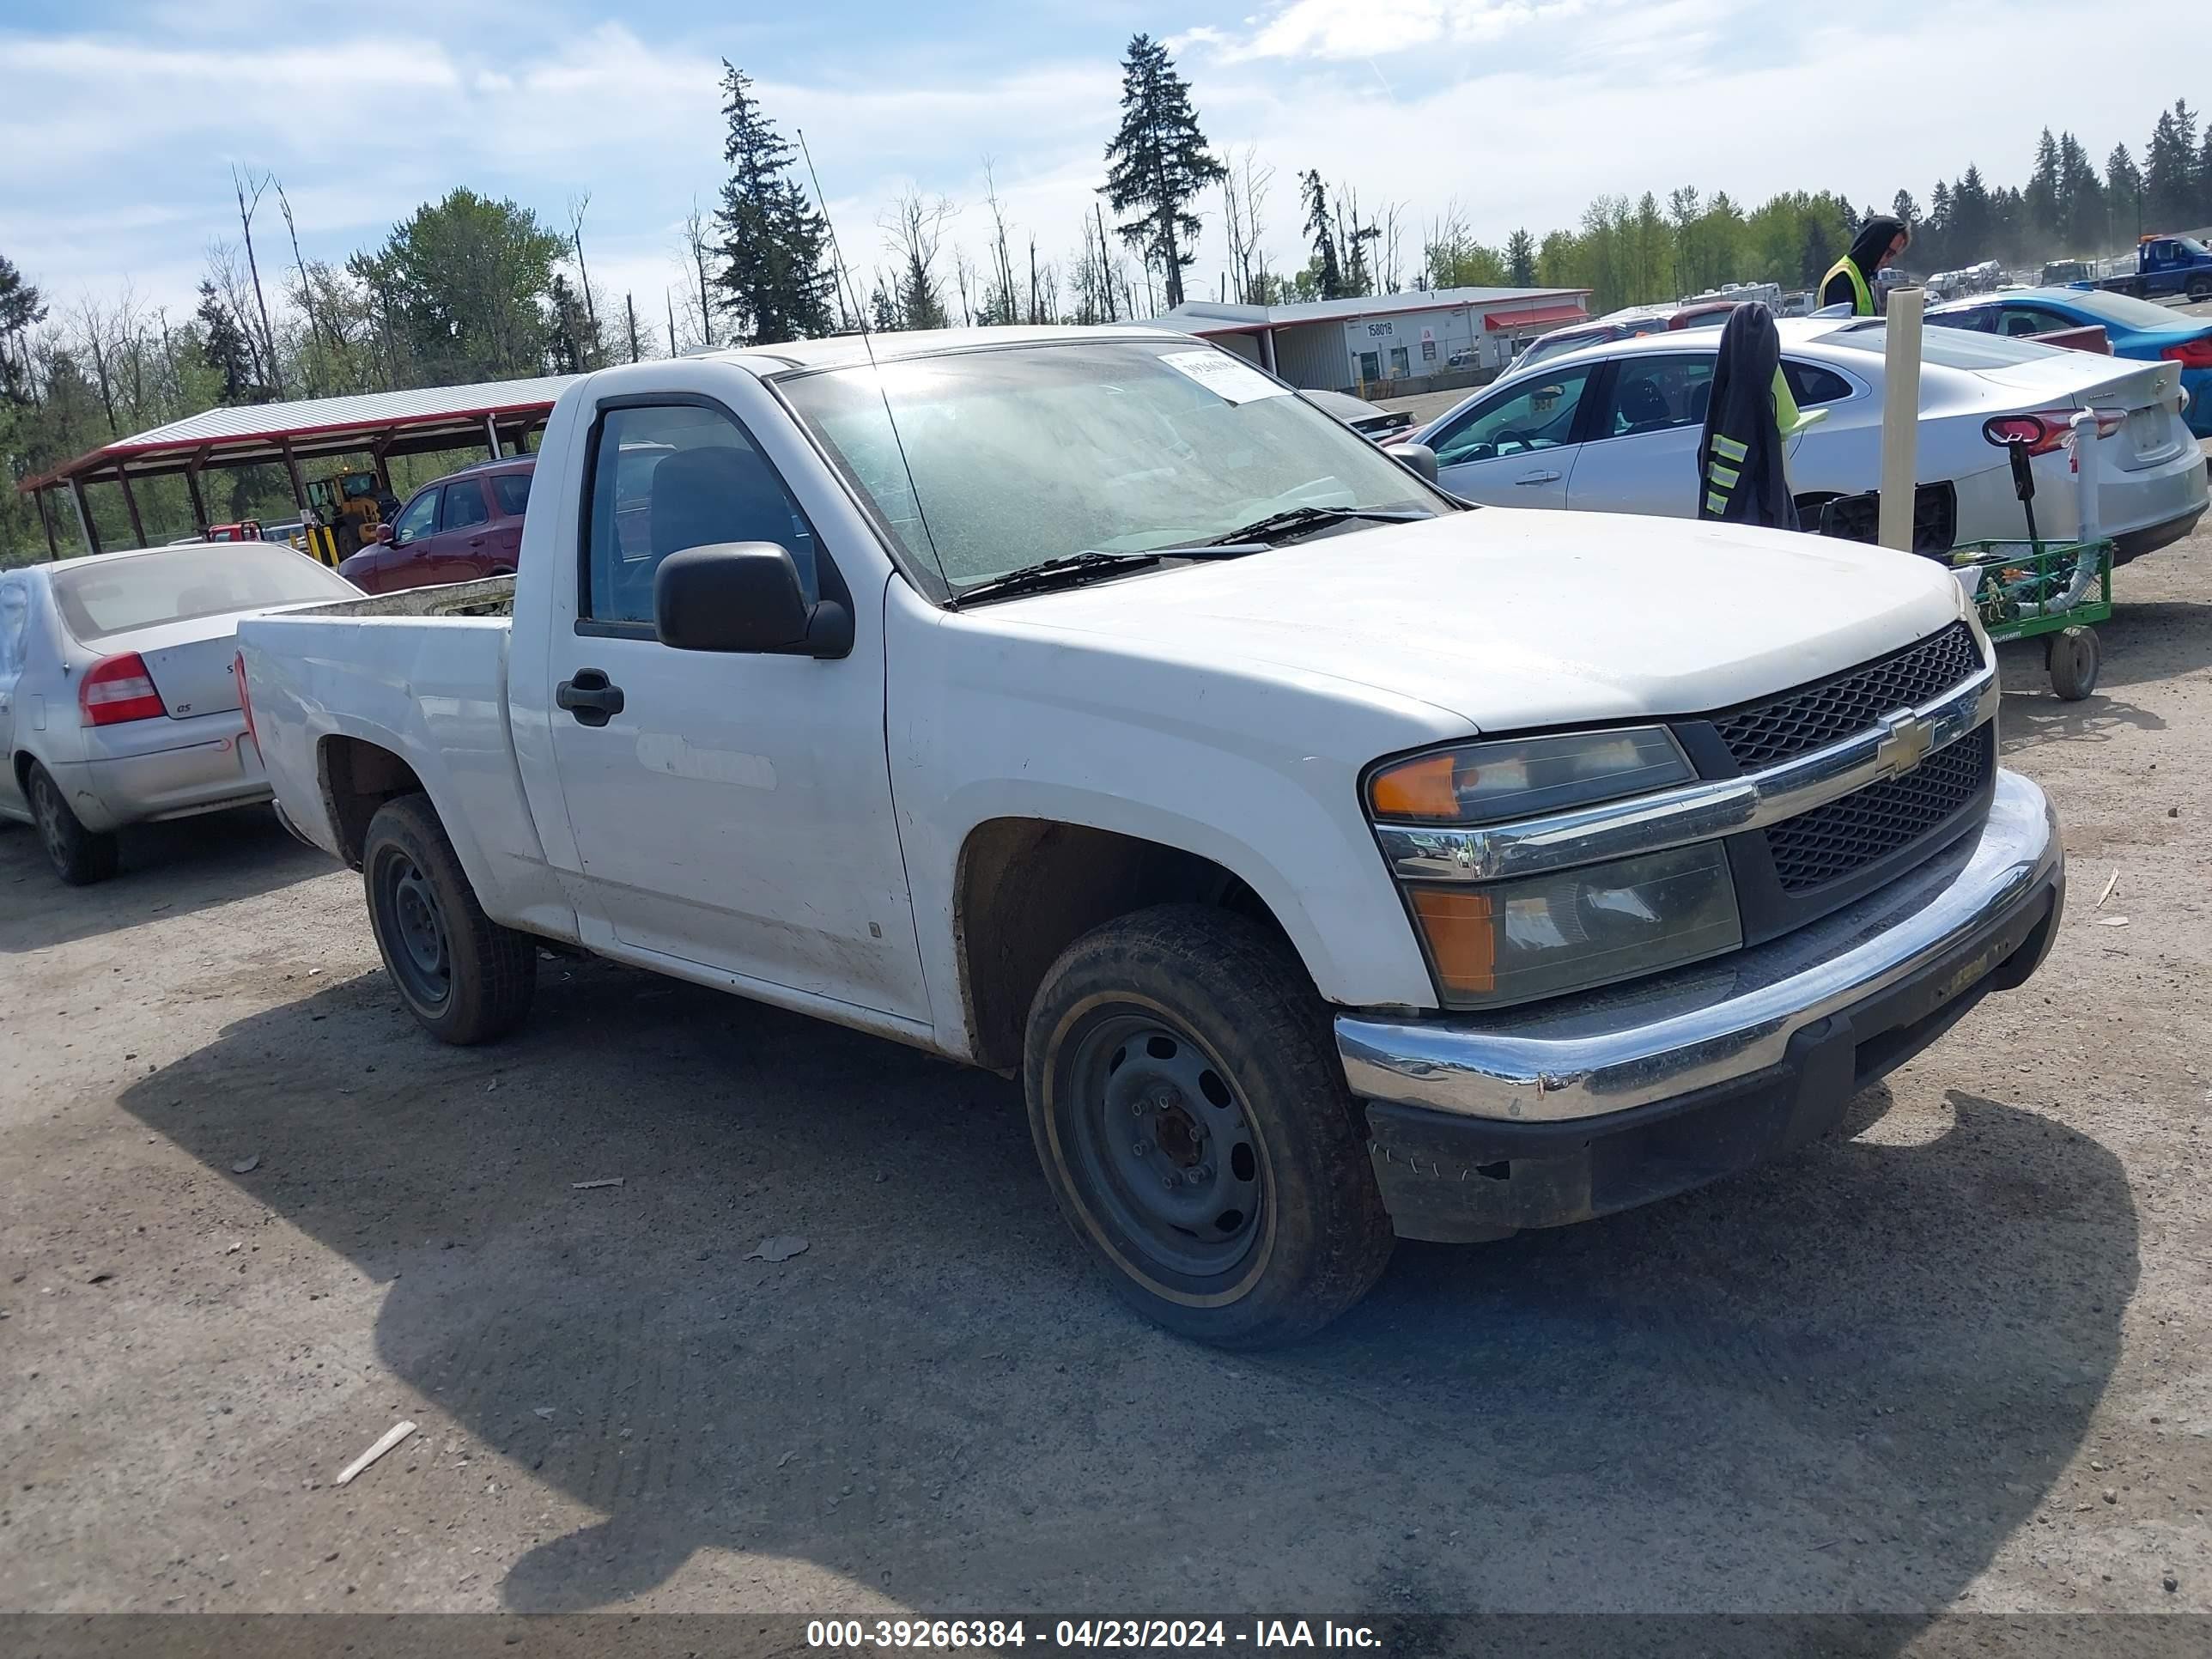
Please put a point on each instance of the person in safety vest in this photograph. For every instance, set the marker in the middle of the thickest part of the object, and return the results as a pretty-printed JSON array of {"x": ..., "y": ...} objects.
[
  {"x": 1750, "y": 418},
  {"x": 1880, "y": 243}
]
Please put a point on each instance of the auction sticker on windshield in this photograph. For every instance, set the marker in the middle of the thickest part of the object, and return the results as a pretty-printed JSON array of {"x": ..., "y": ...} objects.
[{"x": 1221, "y": 373}]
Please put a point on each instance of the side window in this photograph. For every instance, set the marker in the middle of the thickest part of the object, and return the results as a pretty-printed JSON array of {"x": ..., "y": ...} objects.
[
  {"x": 513, "y": 489},
  {"x": 670, "y": 476},
  {"x": 15, "y": 614},
  {"x": 418, "y": 520},
  {"x": 1657, "y": 393},
  {"x": 1810, "y": 384},
  {"x": 464, "y": 505},
  {"x": 1538, "y": 414}
]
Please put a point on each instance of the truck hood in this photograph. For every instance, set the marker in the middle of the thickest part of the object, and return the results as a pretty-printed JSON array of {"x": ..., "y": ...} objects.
[{"x": 1511, "y": 619}]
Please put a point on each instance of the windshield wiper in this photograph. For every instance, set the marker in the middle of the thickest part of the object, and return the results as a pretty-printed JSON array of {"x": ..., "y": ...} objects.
[
  {"x": 1075, "y": 568},
  {"x": 1310, "y": 518}
]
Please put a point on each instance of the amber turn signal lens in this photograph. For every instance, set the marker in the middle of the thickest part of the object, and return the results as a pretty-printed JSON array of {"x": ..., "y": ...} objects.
[
  {"x": 1458, "y": 927},
  {"x": 1421, "y": 788}
]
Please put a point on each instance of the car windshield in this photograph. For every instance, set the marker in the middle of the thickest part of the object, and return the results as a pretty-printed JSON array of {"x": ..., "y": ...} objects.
[
  {"x": 994, "y": 461},
  {"x": 115, "y": 596},
  {"x": 1950, "y": 348},
  {"x": 2126, "y": 310}
]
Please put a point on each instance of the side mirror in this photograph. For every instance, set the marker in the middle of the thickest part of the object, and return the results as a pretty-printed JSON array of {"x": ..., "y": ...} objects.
[
  {"x": 743, "y": 596},
  {"x": 383, "y": 533},
  {"x": 1419, "y": 456}
]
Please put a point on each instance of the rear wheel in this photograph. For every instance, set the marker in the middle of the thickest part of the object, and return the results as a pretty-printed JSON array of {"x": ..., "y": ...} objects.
[
  {"x": 2074, "y": 657},
  {"x": 464, "y": 978},
  {"x": 2199, "y": 289},
  {"x": 1191, "y": 1114},
  {"x": 80, "y": 856}
]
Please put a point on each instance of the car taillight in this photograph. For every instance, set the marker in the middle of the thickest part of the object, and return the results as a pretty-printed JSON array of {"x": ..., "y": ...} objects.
[
  {"x": 2048, "y": 429},
  {"x": 118, "y": 689},
  {"x": 2190, "y": 354},
  {"x": 245, "y": 702}
]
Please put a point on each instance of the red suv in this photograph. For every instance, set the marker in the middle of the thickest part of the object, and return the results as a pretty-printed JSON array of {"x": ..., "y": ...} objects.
[{"x": 465, "y": 525}]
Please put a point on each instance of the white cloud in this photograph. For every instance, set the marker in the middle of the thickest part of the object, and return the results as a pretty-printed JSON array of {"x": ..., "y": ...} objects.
[{"x": 1364, "y": 28}]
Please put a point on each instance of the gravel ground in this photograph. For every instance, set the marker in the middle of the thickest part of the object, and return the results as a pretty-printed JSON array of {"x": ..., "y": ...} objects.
[{"x": 250, "y": 1219}]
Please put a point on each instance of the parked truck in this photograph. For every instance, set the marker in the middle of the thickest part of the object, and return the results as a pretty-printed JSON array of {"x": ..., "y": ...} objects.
[
  {"x": 2166, "y": 268},
  {"x": 1331, "y": 861}
]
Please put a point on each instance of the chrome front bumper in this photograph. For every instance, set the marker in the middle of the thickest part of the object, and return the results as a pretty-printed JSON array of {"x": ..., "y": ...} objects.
[{"x": 1720, "y": 1023}]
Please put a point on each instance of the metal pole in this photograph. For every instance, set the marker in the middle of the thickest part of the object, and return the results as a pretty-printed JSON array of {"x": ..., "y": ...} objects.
[
  {"x": 292, "y": 468},
  {"x": 46, "y": 524},
  {"x": 130, "y": 502},
  {"x": 192, "y": 489},
  {"x": 84, "y": 526},
  {"x": 491, "y": 436},
  {"x": 1900, "y": 419}
]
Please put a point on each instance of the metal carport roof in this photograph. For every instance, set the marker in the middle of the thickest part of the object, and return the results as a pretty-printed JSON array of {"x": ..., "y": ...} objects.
[{"x": 386, "y": 422}]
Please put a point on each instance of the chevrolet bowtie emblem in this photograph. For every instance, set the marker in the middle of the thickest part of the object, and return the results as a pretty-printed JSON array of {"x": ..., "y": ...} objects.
[{"x": 1905, "y": 743}]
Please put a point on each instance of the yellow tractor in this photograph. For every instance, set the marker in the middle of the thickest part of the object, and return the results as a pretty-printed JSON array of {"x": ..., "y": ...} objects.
[{"x": 342, "y": 513}]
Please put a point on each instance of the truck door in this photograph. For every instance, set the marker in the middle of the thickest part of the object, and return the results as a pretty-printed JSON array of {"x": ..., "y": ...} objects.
[{"x": 729, "y": 810}]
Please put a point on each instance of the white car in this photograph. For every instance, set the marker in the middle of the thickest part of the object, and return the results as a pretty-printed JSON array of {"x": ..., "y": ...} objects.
[
  {"x": 118, "y": 704},
  {"x": 1615, "y": 428}
]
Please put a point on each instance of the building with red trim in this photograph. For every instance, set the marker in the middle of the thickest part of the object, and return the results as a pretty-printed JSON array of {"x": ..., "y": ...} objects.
[{"x": 1458, "y": 335}]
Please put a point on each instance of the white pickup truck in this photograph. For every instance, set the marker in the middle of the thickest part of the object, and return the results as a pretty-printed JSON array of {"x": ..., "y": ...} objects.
[{"x": 1330, "y": 860}]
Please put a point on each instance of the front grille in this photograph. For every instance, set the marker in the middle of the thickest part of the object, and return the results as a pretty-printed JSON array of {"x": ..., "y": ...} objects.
[
  {"x": 1799, "y": 721},
  {"x": 1818, "y": 846}
]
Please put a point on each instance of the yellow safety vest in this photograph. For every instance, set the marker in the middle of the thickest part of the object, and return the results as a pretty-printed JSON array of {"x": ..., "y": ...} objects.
[{"x": 1861, "y": 295}]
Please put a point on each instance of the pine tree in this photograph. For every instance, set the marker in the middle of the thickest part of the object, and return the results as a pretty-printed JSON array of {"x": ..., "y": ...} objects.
[
  {"x": 2040, "y": 199},
  {"x": 1157, "y": 163},
  {"x": 222, "y": 344},
  {"x": 20, "y": 309},
  {"x": 1903, "y": 207},
  {"x": 2124, "y": 203},
  {"x": 1521, "y": 259},
  {"x": 2168, "y": 188},
  {"x": 773, "y": 277},
  {"x": 883, "y": 313},
  {"x": 1328, "y": 271}
]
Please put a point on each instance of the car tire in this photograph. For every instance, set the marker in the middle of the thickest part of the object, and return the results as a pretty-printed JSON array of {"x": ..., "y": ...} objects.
[
  {"x": 464, "y": 978},
  {"x": 80, "y": 856},
  {"x": 1190, "y": 1111},
  {"x": 2200, "y": 290}
]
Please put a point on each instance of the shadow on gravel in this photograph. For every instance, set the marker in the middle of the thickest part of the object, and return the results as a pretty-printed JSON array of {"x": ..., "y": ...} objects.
[
  {"x": 168, "y": 869},
  {"x": 1839, "y": 1383}
]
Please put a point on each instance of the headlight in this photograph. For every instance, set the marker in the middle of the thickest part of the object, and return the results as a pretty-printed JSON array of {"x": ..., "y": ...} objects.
[
  {"x": 1527, "y": 777},
  {"x": 1495, "y": 942},
  {"x": 1512, "y": 941}
]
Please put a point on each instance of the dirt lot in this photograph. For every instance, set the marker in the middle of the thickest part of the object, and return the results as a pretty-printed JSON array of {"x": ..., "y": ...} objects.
[{"x": 250, "y": 1217}]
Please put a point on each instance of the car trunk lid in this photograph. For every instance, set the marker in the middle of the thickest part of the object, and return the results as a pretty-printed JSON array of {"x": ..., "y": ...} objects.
[{"x": 189, "y": 662}]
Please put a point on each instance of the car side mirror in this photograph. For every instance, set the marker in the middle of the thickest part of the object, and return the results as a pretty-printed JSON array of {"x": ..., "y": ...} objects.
[
  {"x": 743, "y": 596},
  {"x": 1419, "y": 456},
  {"x": 383, "y": 533}
]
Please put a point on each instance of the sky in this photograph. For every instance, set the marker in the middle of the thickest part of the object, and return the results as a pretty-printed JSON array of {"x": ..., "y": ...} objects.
[{"x": 121, "y": 120}]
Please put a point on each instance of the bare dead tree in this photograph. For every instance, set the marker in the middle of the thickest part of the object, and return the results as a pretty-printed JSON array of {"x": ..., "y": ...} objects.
[
  {"x": 93, "y": 324},
  {"x": 1392, "y": 213},
  {"x": 306, "y": 289},
  {"x": 963, "y": 277},
  {"x": 629, "y": 304},
  {"x": 245, "y": 211},
  {"x": 916, "y": 232},
  {"x": 1003, "y": 270},
  {"x": 577, "y": 207},
  {"x": 695, "y": 240}
]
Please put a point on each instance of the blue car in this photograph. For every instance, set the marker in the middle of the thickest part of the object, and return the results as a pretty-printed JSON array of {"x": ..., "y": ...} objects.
[{"x": 2136, "y": 328}]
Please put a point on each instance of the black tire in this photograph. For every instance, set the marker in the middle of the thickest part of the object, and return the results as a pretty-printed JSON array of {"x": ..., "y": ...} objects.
[
  {"x": 2200, "y": 290},
  {"x": 80, "y": 856},
  {"x": 2073, "y": 656},
  {"x": 1197, "y": 1034},
  {"x": 464, "y": 978}
]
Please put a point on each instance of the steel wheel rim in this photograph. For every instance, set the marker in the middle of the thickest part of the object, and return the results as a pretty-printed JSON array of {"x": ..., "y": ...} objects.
[
  {"x": 50, "y": 821},
  {"x": 1165, "y": 1145},
  {"x": 421, "y": 954}
]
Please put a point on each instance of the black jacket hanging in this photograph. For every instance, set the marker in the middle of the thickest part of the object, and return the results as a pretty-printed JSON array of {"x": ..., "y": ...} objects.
[{"x": 1740, "y": 473}]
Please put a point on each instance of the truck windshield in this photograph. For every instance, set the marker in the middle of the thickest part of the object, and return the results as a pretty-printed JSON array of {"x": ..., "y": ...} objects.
[
  {"x": 1033, "y": 453},
  {"x": 100, "y": 598}
]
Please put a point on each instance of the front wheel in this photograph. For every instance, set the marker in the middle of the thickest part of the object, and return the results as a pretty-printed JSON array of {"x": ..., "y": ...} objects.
[
  {"x": 464, "y": 978},
  {"x": 80, "y": 856},
  {"x": 1191, "y": 1117}
]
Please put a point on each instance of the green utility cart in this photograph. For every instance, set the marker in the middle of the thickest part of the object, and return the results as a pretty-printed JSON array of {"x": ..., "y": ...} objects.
[{"x": 2055, "y": 592}]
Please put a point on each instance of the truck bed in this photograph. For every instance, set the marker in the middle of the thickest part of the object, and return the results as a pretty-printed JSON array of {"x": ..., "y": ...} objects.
[{"x": 488, "y": 596}]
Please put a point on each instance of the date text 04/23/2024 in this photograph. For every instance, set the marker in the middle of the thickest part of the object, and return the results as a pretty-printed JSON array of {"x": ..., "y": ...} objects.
[{"x": 856, "y": 1635}]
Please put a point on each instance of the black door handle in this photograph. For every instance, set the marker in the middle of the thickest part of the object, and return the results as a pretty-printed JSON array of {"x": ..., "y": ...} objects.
[{"x": 589, "y": 697}]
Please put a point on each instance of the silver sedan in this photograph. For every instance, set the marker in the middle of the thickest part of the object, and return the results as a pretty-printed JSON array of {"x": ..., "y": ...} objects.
[{"x": 118, "y": 704}]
